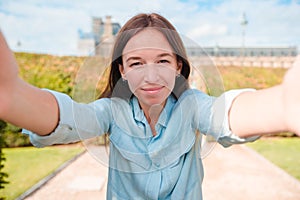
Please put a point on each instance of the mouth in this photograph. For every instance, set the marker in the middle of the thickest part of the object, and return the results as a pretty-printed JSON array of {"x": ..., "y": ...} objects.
[{"x": 152, "y": 90}]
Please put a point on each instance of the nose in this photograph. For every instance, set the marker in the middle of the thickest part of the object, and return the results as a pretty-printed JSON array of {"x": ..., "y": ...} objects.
[{"x": 151, "y": 73}]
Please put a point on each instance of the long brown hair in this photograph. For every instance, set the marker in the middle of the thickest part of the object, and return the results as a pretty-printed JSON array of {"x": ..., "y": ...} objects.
[{"x": 131, "y": 28}]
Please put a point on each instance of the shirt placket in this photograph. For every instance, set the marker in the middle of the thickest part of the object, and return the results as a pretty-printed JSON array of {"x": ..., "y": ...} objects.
[{"x": 153, "y": 185}]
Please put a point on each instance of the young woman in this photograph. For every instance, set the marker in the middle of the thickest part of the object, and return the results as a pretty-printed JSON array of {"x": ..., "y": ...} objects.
[{"x": 149, "y": 113}]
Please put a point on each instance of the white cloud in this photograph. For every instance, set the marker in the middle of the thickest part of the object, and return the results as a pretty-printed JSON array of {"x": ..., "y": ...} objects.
[
  {"x": 51, "y": 26},
  {"x": 208, "y": 30}
]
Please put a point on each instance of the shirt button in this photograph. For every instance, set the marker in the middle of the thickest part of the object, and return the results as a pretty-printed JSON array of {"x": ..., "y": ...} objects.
[{"x": 154, "y": 154}]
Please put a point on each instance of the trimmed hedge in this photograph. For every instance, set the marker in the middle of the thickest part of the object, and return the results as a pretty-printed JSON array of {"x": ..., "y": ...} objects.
[
  {"x": 59, "y": 73},
  {"x": 44, "y": 71}
]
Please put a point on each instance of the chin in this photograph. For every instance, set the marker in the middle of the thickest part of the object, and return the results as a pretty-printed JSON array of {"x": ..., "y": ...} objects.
[{"x": 150, "y": 100}]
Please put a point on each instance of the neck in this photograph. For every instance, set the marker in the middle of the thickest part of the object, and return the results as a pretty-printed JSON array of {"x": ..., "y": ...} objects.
[{"x": 152, "y": 114}]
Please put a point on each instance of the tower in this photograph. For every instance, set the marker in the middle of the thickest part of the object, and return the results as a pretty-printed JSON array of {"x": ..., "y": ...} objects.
[
  {"x": 97, "y": 28},
  {"x": 243, "y": 23}
]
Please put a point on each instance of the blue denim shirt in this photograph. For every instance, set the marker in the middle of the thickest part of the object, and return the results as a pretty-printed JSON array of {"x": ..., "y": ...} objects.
[{"x": 142, "y": 166}]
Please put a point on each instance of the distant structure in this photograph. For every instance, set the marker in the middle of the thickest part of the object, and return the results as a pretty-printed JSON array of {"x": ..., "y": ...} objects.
[
  {"x": 245, "y": 56},
  {"x": 279, "y": 57},
  {"x": 244, "y": 23},
  {"x": 103, "y": 32},
  {"x": 100, "y": 42},
  {"x": 247, "y": 52}
]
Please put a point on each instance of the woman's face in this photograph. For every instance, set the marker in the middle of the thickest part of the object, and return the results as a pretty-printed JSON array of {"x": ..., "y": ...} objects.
[{"x": 150, "y": 67}]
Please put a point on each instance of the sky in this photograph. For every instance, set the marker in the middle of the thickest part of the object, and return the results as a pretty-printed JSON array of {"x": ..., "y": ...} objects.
[{"x": 51, "y": 27}]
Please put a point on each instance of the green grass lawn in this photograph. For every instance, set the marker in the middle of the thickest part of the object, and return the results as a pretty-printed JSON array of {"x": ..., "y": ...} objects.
[
  {"x": 28, "y": 165},
  {"x": 283, "y": 152}
]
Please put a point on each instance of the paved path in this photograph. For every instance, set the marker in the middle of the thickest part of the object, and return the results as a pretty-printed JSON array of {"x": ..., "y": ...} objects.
[{"x": 230, "y": 174}]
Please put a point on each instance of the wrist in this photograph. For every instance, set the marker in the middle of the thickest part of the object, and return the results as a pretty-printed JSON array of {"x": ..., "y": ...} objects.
[{"x": 290, "y": 110}]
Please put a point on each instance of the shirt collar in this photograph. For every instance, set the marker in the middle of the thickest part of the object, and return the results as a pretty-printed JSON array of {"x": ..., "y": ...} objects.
[
  {"x": 139, "y": 116},
  {"x": 138, "y": 113}
]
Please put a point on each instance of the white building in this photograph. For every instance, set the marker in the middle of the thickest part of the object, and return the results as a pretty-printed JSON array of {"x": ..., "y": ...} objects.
[
  {"x": 243, "y": 52},
  {"x": 100, "y": 42}
]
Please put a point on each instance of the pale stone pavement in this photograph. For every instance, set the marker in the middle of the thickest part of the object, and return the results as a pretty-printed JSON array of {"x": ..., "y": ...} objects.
[{"x": 235, "y": 173}]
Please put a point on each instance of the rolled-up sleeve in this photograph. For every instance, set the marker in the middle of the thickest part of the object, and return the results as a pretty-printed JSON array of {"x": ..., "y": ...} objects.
[
  {"x": 220, "y": 113},
  {"x": 77, "y": 121},
  {"x": 211, "y": 117}
]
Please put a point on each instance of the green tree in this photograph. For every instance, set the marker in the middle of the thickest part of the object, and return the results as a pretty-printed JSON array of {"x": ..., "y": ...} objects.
[{"x": 3, "y": 175}]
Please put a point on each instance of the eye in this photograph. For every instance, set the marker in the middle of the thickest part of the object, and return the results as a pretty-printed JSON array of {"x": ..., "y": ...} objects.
[
  {"x": 163, "y": 61},
  {"x": 136, "y": 64}
]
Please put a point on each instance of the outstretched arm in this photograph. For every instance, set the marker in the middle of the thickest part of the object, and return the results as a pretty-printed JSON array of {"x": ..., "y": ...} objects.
[
  {"x": 21, "y": 103},
  {"x": 269, "y": 110}
]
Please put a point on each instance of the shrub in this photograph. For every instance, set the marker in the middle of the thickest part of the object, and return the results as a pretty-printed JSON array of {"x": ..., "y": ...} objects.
[{"x": 3, "y": 175}]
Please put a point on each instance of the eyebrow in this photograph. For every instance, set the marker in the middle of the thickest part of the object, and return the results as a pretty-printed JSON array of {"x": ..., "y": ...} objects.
[
  {"x": 159, "y": 56},
  {"x": 165, "y": 54},
  {"x": 133, "y": 58}
]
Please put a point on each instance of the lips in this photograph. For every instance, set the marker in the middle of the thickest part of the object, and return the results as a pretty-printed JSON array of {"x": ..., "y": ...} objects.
[{"x": 153, "y": 90}]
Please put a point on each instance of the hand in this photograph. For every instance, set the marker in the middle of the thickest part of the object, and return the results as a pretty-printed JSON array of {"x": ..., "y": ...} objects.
[{"x": 291, "y": 97}]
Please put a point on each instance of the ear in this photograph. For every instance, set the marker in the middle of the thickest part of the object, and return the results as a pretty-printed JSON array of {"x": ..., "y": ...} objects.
[
  {"x": 121, "y": 69},
  {"x": 179, "y": 66}
]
